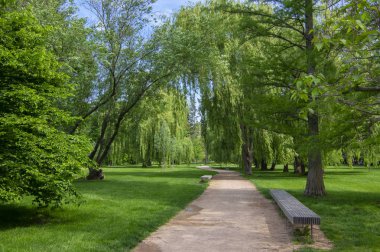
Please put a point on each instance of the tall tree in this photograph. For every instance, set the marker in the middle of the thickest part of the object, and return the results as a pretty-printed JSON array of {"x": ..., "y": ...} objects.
[
  {"x": 72, "y": 42},
  {"x": 37, "y": 157},
  {"x": 157, "y": 130},
  {"x": 291, "y": 24},
  {"x": 129, "y": 66}
]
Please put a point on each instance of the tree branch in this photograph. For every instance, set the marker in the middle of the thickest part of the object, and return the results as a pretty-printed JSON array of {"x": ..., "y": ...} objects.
[
  {"x": 280, "y": 22},
  {"x": 367, "y": 89}
]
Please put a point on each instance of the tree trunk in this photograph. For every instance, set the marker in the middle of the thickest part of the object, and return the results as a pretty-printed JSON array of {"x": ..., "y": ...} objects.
[
  {"x": 345, "y": 159},
  {"x": 286, "y": 168},
  {"x": 204, "y": 134},
  {"x": 246, "y": 149},
  {"x": 303, "y": 168},
  {"x": 206, "y": 155},
  {"x": 273, "y": 166},
  {"x": 256, "y": 163},
  {"x": 247, "y": 159},
  {"x": 144, "y": 164},
  {"x": 147, "y": 162},
  {"x": 95, "y": 174},
  {"x": 101, "y": 137},
  {"x": 104, "y": 152},
  {"x": 123, "y": 112},
  {"x": 315, "y": 185},
  {"x": 264, "y": 165},
  {"x": 299, "y": 166}
]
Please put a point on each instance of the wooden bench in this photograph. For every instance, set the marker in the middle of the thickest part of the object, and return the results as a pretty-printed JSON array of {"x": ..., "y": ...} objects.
[
  {"x": 206, "y": 178},
  {"x": 295, "y": 211}
]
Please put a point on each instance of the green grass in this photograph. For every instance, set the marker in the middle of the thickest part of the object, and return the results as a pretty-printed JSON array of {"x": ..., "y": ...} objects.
[
  {"x": 117, "y": 214},
  {"x": 351, "y": 210}
]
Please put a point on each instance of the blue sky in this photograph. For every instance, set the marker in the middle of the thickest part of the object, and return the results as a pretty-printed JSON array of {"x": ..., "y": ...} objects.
[
  {"x": 170, "y": 6},
  {"x": 161, "y": 7}
]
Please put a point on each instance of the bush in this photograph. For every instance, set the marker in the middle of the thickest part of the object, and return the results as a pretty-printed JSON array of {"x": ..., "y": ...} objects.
[{"x": 37, "y": 157}]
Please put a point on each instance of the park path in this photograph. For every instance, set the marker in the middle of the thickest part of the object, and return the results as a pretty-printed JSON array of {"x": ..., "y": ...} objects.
[{"x": 231, "y": 215}]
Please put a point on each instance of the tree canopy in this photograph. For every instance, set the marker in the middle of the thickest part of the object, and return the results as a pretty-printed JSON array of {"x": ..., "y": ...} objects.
[
  {"x": 38, "y": 157},
  {"x": 255, "y": 83}
]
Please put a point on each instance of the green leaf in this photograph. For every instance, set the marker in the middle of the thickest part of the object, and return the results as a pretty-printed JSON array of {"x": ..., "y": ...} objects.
[
  {"x": 315, "y": 92},
  {"x": 361, "y": 25},
  {"x": 299, "y": 84},
  {"x": 319, "y": 46},
  {"x": 304, "y": 96}
]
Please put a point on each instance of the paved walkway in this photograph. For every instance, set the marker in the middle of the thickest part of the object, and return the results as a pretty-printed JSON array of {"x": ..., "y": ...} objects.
[{"x": 231, "y": 215}]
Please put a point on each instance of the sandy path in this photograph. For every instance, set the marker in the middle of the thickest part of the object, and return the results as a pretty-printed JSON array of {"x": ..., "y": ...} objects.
[{"x": 231, "y": 215}]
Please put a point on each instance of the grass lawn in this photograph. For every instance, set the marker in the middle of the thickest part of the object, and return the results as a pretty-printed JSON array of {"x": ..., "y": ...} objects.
[
  {"x": 117, "y": 214},
  {"x": 350, "y": 212}
]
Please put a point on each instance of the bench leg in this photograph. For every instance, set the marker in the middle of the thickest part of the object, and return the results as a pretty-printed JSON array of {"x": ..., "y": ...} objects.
[{"x": 311, "y": 231}]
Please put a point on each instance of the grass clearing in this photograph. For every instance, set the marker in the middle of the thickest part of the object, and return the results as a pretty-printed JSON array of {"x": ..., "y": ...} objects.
[
  {"x": 117, "y": 214},
  {"x": 351, "y": 210}
]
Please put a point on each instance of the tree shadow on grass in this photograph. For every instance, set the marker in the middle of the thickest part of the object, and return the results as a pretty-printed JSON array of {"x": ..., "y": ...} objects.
[
  {"x": 163, "y": 174},
  {"x": 277, "y": 176},
  {"x": 286, "y": 175},
  {"x": 110, "y": 194},
  {"x": 163, "y": 191},
  {"x": 331, "y": 172},
  {"x": 232, "y": 168},
  {"x": 22, "y": 216},
  {"x": 346, "y": 197},
  {"x": 352, "y": 200},
  {"x": 350, "y": 217}
]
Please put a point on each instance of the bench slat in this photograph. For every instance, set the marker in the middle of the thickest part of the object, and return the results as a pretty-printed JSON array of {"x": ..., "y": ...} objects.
[{"x": 294, "y": 210}]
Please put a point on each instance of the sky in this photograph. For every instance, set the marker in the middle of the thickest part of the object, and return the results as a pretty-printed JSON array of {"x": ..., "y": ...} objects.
[
  {"x": 161, "y": 7},
  {"x": 170, "y": 6}
]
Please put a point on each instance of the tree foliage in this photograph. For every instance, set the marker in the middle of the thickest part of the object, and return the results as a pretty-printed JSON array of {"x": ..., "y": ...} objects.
[
  {"x": 157, "y": 131},
  {"x": 300, "y": 74},
  {"x": 257, "y": 83},
  {"x": 37, "y": 157}
]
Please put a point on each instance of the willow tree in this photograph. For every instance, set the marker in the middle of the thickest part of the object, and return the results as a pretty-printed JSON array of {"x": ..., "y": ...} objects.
[
  {"x": 213, "y": 64},
  {"x": 208, "y": 69},
  {"x": 291, "y": 25},
  {"x": 167, "y": 130},
  {"x": 156, "y": 131},
  {"x": 119, "y": 47},
  {"x": 130, "y": 66}
]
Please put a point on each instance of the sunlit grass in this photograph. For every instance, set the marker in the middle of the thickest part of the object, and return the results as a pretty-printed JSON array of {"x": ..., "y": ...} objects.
[
  {"x": 117, "y": 214},
  {"x": 351, "y": 210}
]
